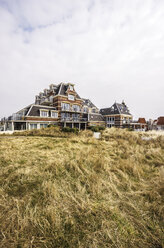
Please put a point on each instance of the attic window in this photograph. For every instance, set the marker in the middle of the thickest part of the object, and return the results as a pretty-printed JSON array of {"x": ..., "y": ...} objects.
[
  {"x": 71, "y": 97},
  {"x": 71, "y": 87},
  {"x": 44, "y": 113},
  {"x": 54, "y": 114}
]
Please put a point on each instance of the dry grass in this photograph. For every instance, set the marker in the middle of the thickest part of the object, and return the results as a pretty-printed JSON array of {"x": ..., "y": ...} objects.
[{"x": 81, "y": 192}]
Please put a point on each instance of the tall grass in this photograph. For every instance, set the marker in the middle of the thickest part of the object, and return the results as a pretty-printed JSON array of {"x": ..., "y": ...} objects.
[{"x": 81, "y": 192}]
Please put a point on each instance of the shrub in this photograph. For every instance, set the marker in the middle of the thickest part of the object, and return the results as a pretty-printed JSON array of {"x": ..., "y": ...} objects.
[
  {"x": 70, "y": 130},
  {"x": 52, "y": 125},
  {"x": 101, "y": 128},
  {"x": 97, "y": 128}
]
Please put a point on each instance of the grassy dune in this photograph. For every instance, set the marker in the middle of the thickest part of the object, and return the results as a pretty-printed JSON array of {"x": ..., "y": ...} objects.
[{"x": 81, "y": 192}]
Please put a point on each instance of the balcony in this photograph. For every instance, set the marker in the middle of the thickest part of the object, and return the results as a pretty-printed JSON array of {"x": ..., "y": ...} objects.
[
  {"x": 111, "y": 122},
  {"x": 76, "y": 110},
  {"x": 126, "y": 121},
  {"x": 15, "y": 117},
  {"x": 73, "y": 119}
]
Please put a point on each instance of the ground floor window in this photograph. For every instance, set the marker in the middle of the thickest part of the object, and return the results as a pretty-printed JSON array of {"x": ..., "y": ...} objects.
[
  {"x": 43, "y": 125},
  {"x": 33, "y": 126},
  {"x": 110, "y": 125}
]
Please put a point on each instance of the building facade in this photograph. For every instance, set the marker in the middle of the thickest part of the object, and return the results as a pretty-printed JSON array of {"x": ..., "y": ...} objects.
[
  {"x": 61, "y": 105},
  {"x": 117, "y": 115}
]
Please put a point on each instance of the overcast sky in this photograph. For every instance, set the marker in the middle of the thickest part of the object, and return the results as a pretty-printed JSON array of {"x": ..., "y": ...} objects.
[{"x": 112, "y": 50}]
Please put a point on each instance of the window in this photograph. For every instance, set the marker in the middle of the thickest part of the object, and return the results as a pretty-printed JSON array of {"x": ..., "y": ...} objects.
[
  {"x": 71, "y": 97},
  {"x": 76, "y": 108},
  {"x": 110, "y": 119},
  {"x": 51, "y": 98},
  {"x": 44, "y": 113},
  {"x": 54, "y": 114},
  {"x": 33, "y": 126},
  {"x": 43, "y": 125},
  {"x": 65, "y": 106},
  {"x": 71, "y": 87},
  {"x": 93, "y": 110},
  {"x": 65, "y": 116},
  {"x": 75, "y": 116},
  {"x": 85, "y": 109},
  {"x": 110, "y": 125}
]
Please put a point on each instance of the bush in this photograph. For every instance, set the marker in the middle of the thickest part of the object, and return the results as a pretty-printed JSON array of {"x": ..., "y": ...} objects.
[
  {"x": 96, "y": 128},
  {"x": 101, "y": 128},
  {"x": 70, "y": 130},
  {"x": 130, "y": 129},
  {"x": 52, "y": 125}
]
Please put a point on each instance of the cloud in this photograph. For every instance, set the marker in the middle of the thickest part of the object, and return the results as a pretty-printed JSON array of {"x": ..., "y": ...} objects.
[{"x": 111, "y": 50}]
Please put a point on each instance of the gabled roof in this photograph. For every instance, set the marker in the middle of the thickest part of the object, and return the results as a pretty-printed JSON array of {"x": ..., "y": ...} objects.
[
  {"x": 63, "y": 89},
  {"x": 88, "y": 103},
  {"x": 160, "y": 120},
  {"x": 60, "y": 89},
  {"x": 116, "y": 108},
  {"x": 96, "y": 117},
  {"x": 142, "y": 120}
]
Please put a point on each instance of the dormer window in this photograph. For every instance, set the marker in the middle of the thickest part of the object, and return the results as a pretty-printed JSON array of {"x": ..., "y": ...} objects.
[
  {"x": 44, "y": 113},
  {"x": 71, "y": 97},
  {"x": 51, "y": 98},
  {"x": 54, "y": 114},
  {"x": 71, "y": 87}
]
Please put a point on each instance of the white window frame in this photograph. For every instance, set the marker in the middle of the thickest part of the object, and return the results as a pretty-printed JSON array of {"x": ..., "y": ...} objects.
[
  {"x": 43, "y": 125},
  {"x": 65, "y": 116},
  {"x": 111, "y": 120},
  {"x": 44, "y": 111},
  {"x": 65, "y": 106},
  {"x": 76, "y": 107},
  {"x": 85, "y": 109},
  {"x": 71, "y": 87},
  {"x": 32, "y": 126},
  {"x": 54, "y": 112},
  {"x": 71, "y": 97}
]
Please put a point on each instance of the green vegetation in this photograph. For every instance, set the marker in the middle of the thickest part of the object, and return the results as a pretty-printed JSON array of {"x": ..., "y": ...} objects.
[
  {"x": 70, "y": 130},
  {"x": 81, "y": 192},
  {"x": 97, "y": 128}
]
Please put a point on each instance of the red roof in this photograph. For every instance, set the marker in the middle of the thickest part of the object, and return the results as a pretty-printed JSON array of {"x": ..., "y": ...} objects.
[
  {"x": 160, "y": 120},
  {"x": 142, "y": 120}
]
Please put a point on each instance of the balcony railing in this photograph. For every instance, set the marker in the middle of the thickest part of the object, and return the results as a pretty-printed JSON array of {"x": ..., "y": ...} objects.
[
  {"x": 110, "y": 122},
  {"x": 71, "y": 109},
  {"x": 73, "y": 119},
  {"x": 126, "y": 121},
  {"x": 15, "y": 117},
  {"x": 76, "y": 109}
]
